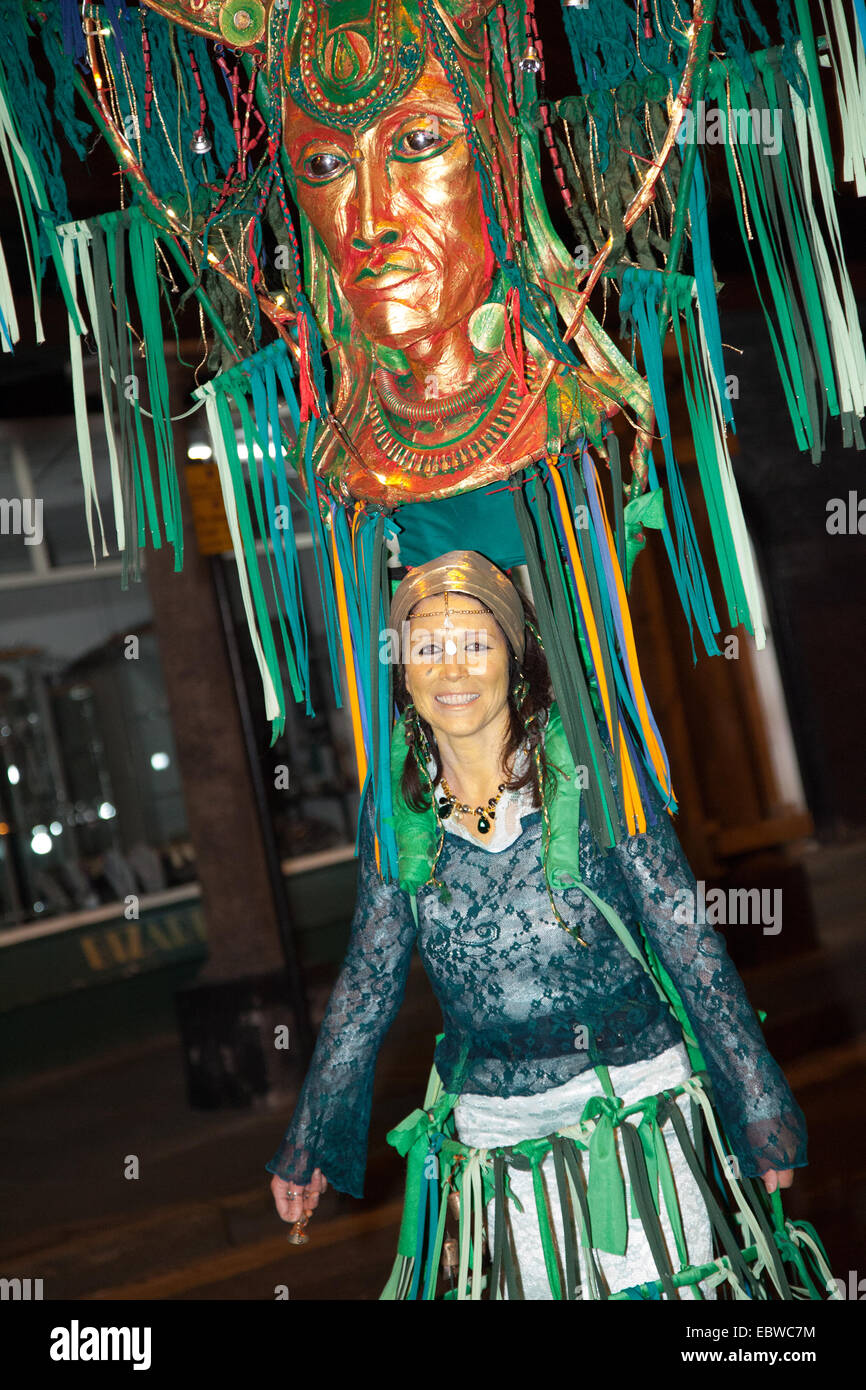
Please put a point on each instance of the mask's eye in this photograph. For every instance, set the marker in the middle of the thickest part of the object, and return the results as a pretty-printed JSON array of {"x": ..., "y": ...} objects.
[
  {"x": 420, "y": 140},
  {"x": 318, "y": 168}
]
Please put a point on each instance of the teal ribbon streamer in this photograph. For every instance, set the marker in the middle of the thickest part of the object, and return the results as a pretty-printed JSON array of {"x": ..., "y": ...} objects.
[
  {"x": 641, "y": 297},
  {"x": 707, "y": 302}
]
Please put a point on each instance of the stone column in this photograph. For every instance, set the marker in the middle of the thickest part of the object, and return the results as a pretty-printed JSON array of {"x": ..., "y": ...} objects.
[{"x": 243, "y": 935}]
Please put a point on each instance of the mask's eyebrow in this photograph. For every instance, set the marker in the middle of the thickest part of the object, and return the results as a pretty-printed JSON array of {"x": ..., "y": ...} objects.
[
  {"x": 427, "y": 119},
  {"x": 332, "y": 139}
]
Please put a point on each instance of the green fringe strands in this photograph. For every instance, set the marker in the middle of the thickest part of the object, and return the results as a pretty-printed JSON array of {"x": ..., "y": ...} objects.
[
  {"x": 99, "y": 254},
  {"x": 557, "y": 623},
  {"x": 266, "y": 377},
  {"x": 722, "y": 499},
  {"x": 262, "y": 436},
  {"x": 40, "y": 197},
  {"x": 807, "y": 316},
  {"x": 640, "y": 305}
]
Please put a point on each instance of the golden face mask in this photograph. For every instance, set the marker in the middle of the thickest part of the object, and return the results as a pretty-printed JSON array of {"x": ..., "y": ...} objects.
[
  {"x": 442, "y": 384},
  {"x": 397, "y": 209}
]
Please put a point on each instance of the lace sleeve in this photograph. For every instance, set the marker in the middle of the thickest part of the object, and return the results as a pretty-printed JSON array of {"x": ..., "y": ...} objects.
[
  {"x": 763, "y": 1122},
  {"x": 330, "y": 1124}
]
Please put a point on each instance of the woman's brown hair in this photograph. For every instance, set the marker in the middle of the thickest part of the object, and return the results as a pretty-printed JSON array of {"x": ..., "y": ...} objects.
[{"x": 536, "y": 700}]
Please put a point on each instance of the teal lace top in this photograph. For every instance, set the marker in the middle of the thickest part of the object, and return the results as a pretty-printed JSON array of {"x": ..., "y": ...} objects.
[{"x": 525, "y": 1006}]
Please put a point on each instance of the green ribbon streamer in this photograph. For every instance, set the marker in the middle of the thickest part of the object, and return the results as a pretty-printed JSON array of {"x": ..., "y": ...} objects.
[
  {"x": 797, "y": 374},
  {"x": 566, "y": 668},
  {"x": 605, "y": 1186},
  {"x": 647, "y": 509},
  {"x": 142, "y": 255}
]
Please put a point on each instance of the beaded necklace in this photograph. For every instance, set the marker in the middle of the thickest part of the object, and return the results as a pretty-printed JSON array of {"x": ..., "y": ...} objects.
[{"x": 449, "y": 804}]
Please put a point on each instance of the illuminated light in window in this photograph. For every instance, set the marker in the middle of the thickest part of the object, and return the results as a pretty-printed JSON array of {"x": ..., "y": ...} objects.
[
  {"x": 41, "y": 842},
  {"x": 4, "y": 828},
  {"x": 106, "y": 811},
  {"x": 199, "y": 451},
  {"x": 159, "y": 761},
  {"x": 13, "y": 774}
]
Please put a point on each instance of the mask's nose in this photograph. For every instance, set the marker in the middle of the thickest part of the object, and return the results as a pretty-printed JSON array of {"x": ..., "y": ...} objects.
[{"x": 376, "y": 223}]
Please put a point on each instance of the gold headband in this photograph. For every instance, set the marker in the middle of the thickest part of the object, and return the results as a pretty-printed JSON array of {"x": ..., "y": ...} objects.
[
  {"x": 448, "y": 610},
  {"x": 465, "y": 572}
]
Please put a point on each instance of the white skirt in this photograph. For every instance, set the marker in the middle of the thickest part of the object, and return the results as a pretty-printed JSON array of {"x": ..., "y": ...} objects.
[{"x": 486, "y": 1122}]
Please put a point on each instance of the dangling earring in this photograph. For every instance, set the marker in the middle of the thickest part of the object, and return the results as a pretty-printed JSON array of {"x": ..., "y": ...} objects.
[
  {"x": 416, "y": 737},
  {"x": 520, "y": 690},
  {"x": 409, "y": 725},
  {"x": 421, "y": 743}
]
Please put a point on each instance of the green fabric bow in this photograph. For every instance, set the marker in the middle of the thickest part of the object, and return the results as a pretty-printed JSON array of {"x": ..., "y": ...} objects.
[
  {"x": 605, "y": 1187},
  {"x": 647, "y": 509}
]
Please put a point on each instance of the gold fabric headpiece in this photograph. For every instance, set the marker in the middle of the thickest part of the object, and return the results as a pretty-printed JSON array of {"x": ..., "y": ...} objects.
[{"x": 464, "y": 572}]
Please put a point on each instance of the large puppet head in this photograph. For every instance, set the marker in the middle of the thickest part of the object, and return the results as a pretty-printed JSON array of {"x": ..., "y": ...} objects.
[
  {"x": 385, "y": 176},
  {"x": 414, "y": 170}
]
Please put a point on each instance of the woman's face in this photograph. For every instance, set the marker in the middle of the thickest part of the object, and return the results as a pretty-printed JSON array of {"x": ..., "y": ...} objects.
[{"x": 457, "y": 677}]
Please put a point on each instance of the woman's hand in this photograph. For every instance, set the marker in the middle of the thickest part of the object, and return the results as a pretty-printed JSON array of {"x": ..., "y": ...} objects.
[
  {"x": 774, "y": 1178},
  {"x": 291, "y": 1207}
]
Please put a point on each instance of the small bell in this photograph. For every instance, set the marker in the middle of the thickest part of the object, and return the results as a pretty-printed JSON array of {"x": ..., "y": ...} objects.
[
  {"x": 531, "y": 60},
  {"x": 200, "y": 143},
  {"x": 296, "y": 1234}
]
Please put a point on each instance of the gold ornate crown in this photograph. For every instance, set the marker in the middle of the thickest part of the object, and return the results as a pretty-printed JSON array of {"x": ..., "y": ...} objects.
[{"x": 345, "y": 60}]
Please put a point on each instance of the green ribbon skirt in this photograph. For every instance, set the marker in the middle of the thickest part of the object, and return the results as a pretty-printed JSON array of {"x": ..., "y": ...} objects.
[{"x": 758, "y": 1252}]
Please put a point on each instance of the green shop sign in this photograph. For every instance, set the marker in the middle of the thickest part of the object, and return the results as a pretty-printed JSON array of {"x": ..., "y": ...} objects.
[{"x": 50, "y": 964}]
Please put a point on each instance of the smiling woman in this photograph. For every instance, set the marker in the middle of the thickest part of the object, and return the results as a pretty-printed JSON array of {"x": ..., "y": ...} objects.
[{"x": 553, "y": 1017}]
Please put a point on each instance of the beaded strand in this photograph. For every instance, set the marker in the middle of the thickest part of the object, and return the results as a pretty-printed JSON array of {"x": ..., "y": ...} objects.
[
  {"x": 148, "y": 73},
  {"x": 416, "y": 736},
  {"x": 202, "y": 101}
]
